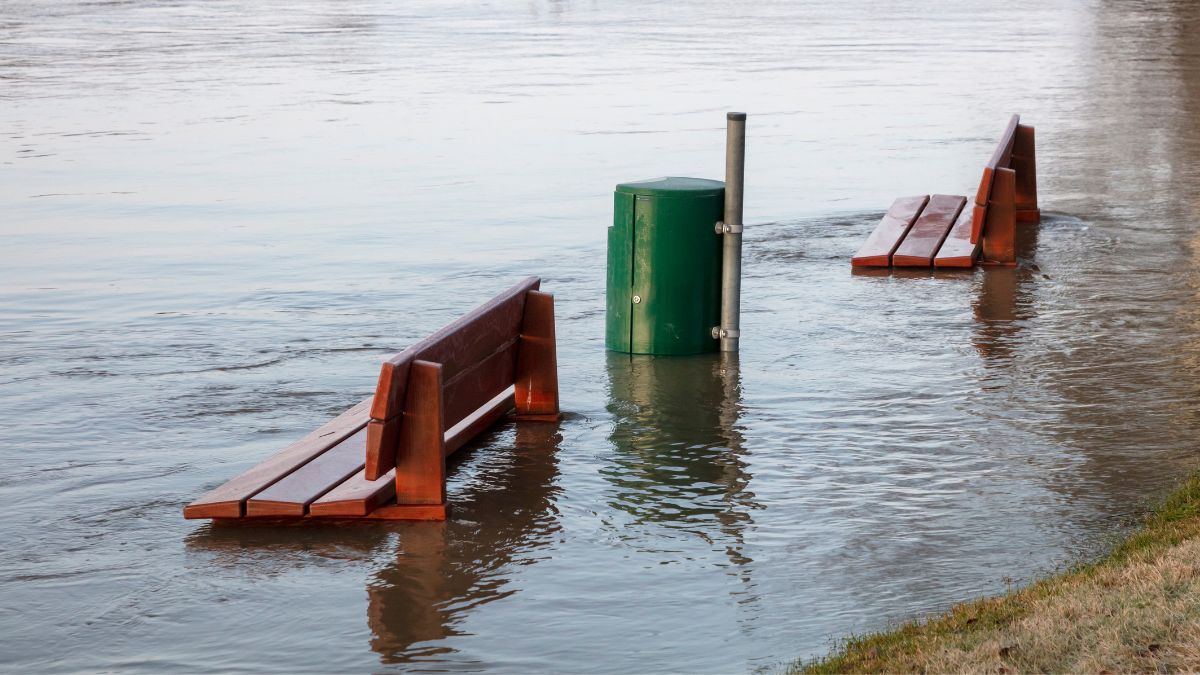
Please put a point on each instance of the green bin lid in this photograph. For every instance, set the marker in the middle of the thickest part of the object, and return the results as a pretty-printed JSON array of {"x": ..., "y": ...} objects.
[{"x": 673, "y": 186}]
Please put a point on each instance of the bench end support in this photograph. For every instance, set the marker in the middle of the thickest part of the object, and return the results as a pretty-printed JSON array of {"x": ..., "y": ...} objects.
[
  {"x": 1024, "y": 162},
  {"x": 421, "y": 457},
  {"x": 536, "y": 390},
  {"x": 999, "y": 234}
]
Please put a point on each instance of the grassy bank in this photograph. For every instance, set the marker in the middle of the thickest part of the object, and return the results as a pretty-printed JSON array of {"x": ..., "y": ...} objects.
[{"x": 1138, "y": 609}]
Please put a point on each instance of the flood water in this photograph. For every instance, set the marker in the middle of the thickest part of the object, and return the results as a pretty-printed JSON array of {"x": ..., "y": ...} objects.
[{"x": 218, "y": 217}]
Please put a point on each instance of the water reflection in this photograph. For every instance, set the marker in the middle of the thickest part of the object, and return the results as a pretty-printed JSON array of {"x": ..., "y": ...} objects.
[
  {"x": 264, "y": 550},
  {"x": 502, "y": 511},
  {"x": 442, "y": 571},
  {"x": 1005, "y": 301},
  {"x": 680, "y": 455}
]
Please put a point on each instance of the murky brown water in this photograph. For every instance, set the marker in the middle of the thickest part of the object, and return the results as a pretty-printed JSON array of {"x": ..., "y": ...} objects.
[{"x": 219, "y": 216}]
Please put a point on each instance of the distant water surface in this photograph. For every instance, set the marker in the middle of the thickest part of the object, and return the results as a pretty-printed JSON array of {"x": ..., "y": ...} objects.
[{"x": 219, "y": 216}]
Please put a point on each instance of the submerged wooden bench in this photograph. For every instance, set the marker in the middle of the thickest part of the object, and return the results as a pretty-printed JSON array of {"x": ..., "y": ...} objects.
[
  {"x": 941, "y": 231},
  {"x": 384, "y": 458}
]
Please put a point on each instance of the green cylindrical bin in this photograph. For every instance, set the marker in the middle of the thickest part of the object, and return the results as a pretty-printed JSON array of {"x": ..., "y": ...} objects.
[{"x": 664, "y": 266}]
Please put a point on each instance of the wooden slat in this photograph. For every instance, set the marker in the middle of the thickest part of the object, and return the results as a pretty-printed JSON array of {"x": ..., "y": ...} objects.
[
  {"x": 978, "y": 218},
  {"x": 877, "y": 250},
  {"x": 1002, "y": 155},
  {"x": 357, "y": 496},
  {"x": 1000, "y": 159},
  {"x": 474, "y": 424},
  {"x": 985, "y": 186},
  {"x": 291, "y": 495},
  {"x": 227, "y": 501},
  {"x": 457, "y": 346},
  {"x": 478, "y": 385},
  {"x": 928, "y": 233},
  {"x": 958, "y": 250}
]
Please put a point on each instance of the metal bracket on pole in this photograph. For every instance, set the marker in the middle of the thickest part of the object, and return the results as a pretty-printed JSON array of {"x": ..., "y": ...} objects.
[
  {"x": 731, "y": 228},
  {"x": 718, "y": 333}
]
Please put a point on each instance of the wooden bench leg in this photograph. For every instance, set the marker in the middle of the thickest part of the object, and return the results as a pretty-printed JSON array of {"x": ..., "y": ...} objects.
[
  {"x": 999, "y": 233},
  {"x": 421, "y": 457},
  {"x": 1024, "y": 162},
  {"x": 536, "y": 394}
]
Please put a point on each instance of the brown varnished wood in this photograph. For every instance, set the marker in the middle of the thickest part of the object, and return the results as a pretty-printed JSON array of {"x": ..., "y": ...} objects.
[
  {"x": 457, "y": 346},
  {"x": 536, "y": 393},
  {"x": 228, "y": 500},
  {"x": 356, "y": 496},
  {"x": 999, "y": 234},
  {"x": 1001, "y": 159},
  {"x": 409, "y": 512},
  {"x": 331, "y": 480},
  {"x": 473, "y": 425},
  {"x": 420, "y": 458},
  {"x": 478, "y": 385},
  {"x": 928, "y": 233},
  {"x": 877, "y": 250},
  {"x": 985, "y": 186},
  {"x": 958, "y": 250},
  {"x": 291, "y": 495},
  {"x": 1002, "y": 155},
  {"x": 383, "y": 436},
  {"x": 1024, "y": 162},
  {"x": 978, "y": 219}
]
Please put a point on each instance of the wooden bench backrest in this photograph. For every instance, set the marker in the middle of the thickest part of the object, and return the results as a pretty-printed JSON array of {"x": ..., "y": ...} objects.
[
  {"x": 1001, "y": 159},
  {"x": 478, "y": 358}
]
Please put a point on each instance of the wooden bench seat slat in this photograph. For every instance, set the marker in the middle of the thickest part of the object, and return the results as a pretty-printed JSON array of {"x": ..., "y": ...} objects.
[
  {"x": 877, "y": 250},
  {"x": 357, "y": 496},
  {"x": 291, "y": 495},
  {"x": 228, "y": 500},
  {"x": 928, "y": 233},
  {"x": 958, "y": 250}
]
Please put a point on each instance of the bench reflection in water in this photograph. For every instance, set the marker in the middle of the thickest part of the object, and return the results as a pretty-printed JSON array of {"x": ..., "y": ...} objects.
[
  {"x": 678, "y": 450},
  {"x": 442, "y": 570},
  {"x": 433, "y": 573},
  {"x": 1006, "y": 301}
]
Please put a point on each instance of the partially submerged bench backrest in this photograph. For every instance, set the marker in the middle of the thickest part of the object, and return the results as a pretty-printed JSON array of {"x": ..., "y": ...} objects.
[
  {"x": 478, "y": 358},
  {"x": 1001, "y": 159}
]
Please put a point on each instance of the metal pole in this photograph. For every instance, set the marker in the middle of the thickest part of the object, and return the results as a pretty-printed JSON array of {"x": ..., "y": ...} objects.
[{"x": 731, "y": 261}]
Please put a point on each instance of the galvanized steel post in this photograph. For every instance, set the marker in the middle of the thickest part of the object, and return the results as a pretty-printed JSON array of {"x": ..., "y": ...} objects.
[{"x": 731, "y": 228}]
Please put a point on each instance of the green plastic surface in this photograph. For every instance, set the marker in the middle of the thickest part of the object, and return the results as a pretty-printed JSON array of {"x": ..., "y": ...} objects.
[{"x": 663, "y": 251}]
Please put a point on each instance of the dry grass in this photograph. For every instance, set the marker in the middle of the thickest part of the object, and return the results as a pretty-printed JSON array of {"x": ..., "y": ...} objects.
[{"x": 1138, "y": 610}]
